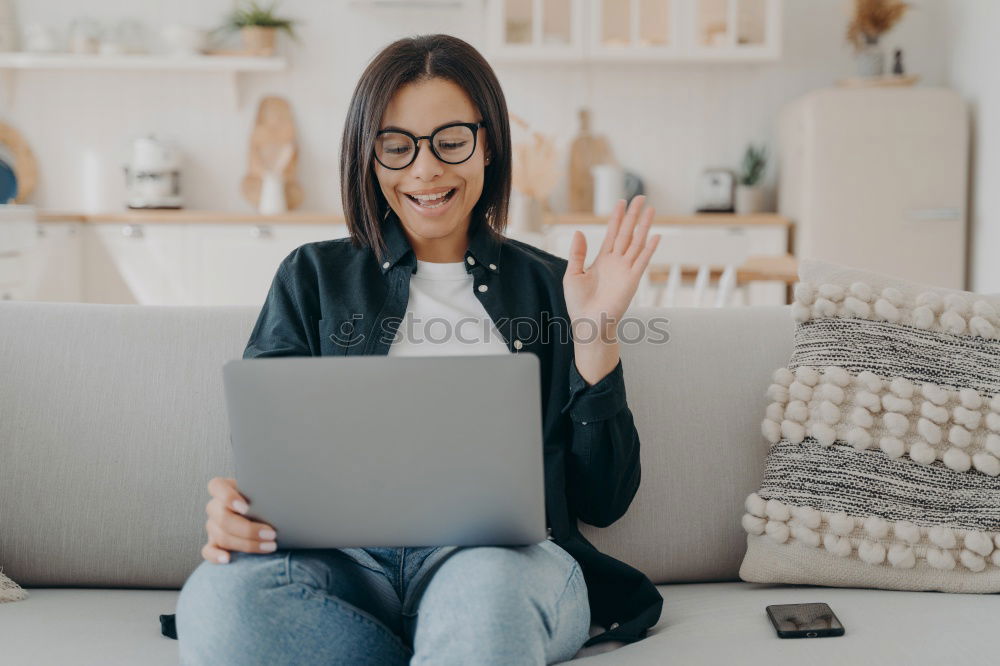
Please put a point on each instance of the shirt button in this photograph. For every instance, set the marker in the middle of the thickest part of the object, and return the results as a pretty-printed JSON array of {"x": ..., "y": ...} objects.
[
  {"x": 518, "y": 344},
  {"x": 385, "y": 265},
  {"x": 493, "y": 267},
  {"x": 483, "y": 287},
  {"x": 614, "y": 625},
  {"x": 471, "y": 260},
  {"x": 583, "y": 423}
]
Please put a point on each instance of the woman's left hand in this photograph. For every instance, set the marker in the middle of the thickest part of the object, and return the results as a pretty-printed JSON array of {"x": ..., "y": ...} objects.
[{"x": 602, "y": 293}]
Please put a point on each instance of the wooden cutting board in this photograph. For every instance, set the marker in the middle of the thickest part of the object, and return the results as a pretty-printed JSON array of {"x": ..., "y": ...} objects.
[
  {"x": 585, "y": 151},
  {"x": 273, "y": 130}
]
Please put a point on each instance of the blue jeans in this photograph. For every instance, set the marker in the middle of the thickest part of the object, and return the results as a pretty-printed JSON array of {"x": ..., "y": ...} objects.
[{"x": 473, "y": 605}]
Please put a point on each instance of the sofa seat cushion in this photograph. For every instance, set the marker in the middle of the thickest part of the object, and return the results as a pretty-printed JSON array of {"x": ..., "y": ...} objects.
[
  {"x": 725, "y": 623},
  {"x": 87, "y": 626},
  {"x": 710, "y": 623}
]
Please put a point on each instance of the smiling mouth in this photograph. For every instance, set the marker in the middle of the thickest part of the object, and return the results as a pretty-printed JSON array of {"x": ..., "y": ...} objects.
[{"x": 436, "y": 203}]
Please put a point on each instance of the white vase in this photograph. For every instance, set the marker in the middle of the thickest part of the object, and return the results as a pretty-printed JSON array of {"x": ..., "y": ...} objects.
[
  {"x": 272, "y": 195},
  {"x": 609, "y": 187},
  {"x": 871, "y": 59},
  {"x": 750, "y": 200}
]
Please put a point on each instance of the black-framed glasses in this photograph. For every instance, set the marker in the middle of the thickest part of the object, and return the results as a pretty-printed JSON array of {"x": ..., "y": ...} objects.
[{"x": 452, "y": 144}]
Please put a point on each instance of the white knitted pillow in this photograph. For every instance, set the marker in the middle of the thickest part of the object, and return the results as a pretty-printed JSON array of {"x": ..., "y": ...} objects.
[
  {"x": 884, "y": 469},
  {"x": 10, "y": 591}
]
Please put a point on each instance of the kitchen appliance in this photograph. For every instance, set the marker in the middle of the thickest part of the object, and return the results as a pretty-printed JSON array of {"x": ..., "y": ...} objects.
[
  {"x": 877, "y": 178},
  {"x": 153, "y": 176},
  {"x": 716, "y": 189}
]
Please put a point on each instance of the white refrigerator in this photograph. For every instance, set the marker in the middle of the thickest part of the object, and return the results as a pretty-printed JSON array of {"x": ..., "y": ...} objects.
[{"x": 877, "y": 178}]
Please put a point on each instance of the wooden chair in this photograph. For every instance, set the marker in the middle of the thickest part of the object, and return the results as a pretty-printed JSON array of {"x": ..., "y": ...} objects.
[{"x": 685, "y": 251}]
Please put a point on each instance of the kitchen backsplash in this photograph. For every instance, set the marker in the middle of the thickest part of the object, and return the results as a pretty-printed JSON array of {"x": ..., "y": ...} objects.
[{"x": 666, "y": 122}]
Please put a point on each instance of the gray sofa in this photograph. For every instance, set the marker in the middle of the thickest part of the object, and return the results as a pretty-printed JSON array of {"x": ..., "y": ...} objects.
[{"x": 112, "y": 421}]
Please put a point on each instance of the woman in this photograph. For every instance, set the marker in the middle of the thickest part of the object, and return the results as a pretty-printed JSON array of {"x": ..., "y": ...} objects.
[{"x": 426, "y": 176}]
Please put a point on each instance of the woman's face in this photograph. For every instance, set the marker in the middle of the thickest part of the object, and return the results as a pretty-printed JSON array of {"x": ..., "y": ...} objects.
[{"x": 420, "y": 108}]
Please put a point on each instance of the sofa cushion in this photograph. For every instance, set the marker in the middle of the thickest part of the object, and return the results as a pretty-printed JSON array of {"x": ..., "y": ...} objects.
[
  {"x": 885, "y": 426},
  {"x": 696, "y": 404},
  {"x": 725, "y": 623},
  {"x": 714, "y": 623},
  {"x": 10, "y": 591},
  {"x": 114, "y": 421}
]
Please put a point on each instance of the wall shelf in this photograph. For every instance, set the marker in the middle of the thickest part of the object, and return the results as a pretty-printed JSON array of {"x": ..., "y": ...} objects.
[
  {"x": 232, "y": 65},
  {"x": 205, "y": 63}
]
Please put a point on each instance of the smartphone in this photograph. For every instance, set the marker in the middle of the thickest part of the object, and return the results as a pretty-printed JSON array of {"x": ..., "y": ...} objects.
[{"x": 804, "y": 621}]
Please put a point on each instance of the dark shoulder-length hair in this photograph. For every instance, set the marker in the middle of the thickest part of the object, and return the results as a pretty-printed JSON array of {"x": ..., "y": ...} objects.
[{"x": 409, "y": 60}]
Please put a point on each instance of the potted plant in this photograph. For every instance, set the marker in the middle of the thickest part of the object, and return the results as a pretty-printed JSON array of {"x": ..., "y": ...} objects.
[
  {"x": 258, "y": 26},
  {"x": 750, "y": 193},
  {"x": 872, "y": 19}
]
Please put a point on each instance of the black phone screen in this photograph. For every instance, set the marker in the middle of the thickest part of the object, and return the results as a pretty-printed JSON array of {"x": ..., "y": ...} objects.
[{"x": 804, "y": 621}]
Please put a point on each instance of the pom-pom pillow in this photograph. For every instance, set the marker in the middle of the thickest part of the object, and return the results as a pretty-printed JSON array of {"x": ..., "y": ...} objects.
[
  {"x": 884, "y": 469},
  {"x": 10, "y": 591}
]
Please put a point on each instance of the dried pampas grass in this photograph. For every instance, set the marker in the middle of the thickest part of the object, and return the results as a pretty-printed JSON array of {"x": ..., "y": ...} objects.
[
  {"x": 872, "y": 18},
  {"x": 535, "y": 170}
]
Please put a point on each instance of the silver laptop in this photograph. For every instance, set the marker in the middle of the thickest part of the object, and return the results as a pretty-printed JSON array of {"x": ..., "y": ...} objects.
[{"x": 365, "y": 451}]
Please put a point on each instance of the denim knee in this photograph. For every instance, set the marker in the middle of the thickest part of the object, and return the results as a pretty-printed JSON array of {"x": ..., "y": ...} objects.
[
  {"x": 250, "y": 612},
  {"x": 217, "y": 599},
  {"x": 503, "y": 606}
]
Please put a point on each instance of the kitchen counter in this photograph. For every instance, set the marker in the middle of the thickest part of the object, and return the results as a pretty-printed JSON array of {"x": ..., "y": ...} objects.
[
  {"x": 720, "y": 219},
  {"x": 185, "y": 216},
  {"x": 297, "y": 217},
  {"x": 213, "y": 257}
]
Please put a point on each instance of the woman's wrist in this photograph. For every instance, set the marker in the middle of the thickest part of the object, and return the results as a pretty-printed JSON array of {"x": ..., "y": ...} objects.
[{"x": 595, "y": 360}]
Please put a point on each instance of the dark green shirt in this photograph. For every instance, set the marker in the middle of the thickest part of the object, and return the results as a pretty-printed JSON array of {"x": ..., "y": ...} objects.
[{"x": 332, "y": 298}]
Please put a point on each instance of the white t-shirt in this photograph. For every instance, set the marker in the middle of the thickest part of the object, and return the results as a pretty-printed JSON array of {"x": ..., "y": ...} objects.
[{"x": 444, "y": 317}]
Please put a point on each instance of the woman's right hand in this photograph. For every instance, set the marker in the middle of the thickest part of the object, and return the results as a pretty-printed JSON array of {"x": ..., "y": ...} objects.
[{"x": 227, "y": 529}]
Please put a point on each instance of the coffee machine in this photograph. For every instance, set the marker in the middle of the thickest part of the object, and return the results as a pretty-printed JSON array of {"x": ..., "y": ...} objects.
[{"x": 153, "y": 176}]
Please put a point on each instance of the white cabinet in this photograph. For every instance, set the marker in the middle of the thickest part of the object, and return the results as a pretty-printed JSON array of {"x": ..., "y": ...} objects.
[
  {"x": 53, "y": 269},
  {"x": 734, "y": 29},
  {"x": 17, "y": 236},
  {"x": 549, "y": 30},
  {"x": 212, "y": 263},
  {"x": 11, "y": 269},
  {"x": 634, "y": 30},
  {"x": 235, "y": 263},
  {"x": 691, "y": 245},
  {"x": 136, "y": 263},
  {"x": 684, "y": 243},
  {"x": 189, "y": 263},
  {"x": 12, "y": 292}
]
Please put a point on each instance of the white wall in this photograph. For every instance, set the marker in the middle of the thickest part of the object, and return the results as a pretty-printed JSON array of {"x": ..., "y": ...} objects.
[
  {"x": 666, "y": 122},
  {"x": 974, "y": 49}
]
